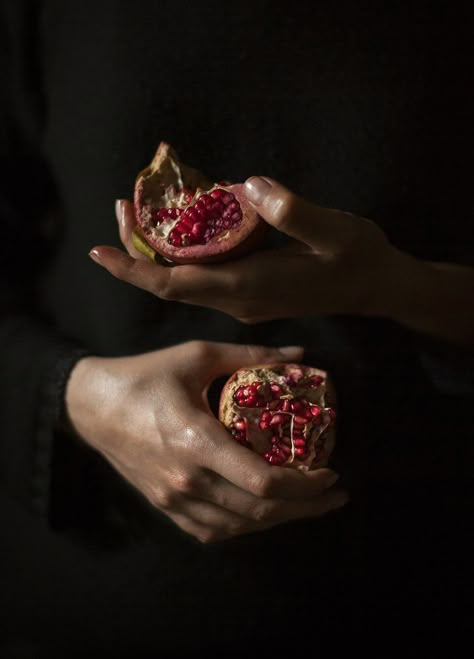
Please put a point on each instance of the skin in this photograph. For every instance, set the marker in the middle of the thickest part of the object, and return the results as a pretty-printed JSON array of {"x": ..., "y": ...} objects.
[
  {"x": 362, "y": 272},
  {"x": 148, "y": 416}
]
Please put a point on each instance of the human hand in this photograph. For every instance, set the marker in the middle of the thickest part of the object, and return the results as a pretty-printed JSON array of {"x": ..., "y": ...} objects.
[
  {"x": 149, "y": 416},
  {"x": 336, "y": 262}
]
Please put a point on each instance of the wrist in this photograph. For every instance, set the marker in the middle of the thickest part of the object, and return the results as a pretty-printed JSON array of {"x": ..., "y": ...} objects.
[
  {"x": 405, "y": 281},
  {"x": 429, "y": 297},
  {"x": 83, "y": 396},
  {"x": 385, "y": 292}
]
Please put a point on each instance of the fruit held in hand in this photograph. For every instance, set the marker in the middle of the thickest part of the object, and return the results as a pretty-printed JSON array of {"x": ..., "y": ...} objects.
[
  {"x": 185, "y": 218},
  {"x": 282, "y": 412}
]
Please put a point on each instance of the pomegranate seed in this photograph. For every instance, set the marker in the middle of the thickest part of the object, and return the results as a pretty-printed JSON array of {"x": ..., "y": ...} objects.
[
  {"x": 276, "y": 390},
  {"x": 218, "y": 194},
  {"x": 208, "y": 202},
  {"x": 300, "y": 442},
  {"x": 203, "y": 215},
  {"x": 192, "y": 214},
  {"x": 278, "y": 419},
  {"x": 180, "y": 228},
  {"x": 175, "y": 238},
  {"x": 301, "y": 451},
  {"x": 300, "y": 420},
  {"x": 251, "y": 401},
  {"x": 297, "y": 406},
  {"x": 315, "y": 410},
  {"x": 228, "y": 197},
  {"x": 186, "y": 225},
  {"x": 265, "y": 420},
  {"x": 286, "y": 405},
  {"x": 198, "y": 230},
  {"x": 241, "y": 424}
]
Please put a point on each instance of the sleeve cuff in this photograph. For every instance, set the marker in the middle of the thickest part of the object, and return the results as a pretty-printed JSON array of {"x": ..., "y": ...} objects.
[{"x": 50, "y": 408}]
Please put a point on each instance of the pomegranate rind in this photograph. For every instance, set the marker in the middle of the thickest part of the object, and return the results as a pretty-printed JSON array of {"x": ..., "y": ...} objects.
[
  {"x": 321, "y": 441},
  {"x": 160, "y": 184}
]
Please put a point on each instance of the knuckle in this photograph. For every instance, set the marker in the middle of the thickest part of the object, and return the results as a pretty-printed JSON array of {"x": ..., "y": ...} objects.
[
  {"x": 263, "y": 486},
  {"x": 284, "y": 206},
  {"x": 240, "y": 285},
  {"x": 163, "y": 500},
  {"x": 259, "y": 353},
  {"x": 201, "y": 349},
  {"x": 263, "y": 512},
  {"x": 184, "y": 482},
  {"x": 165, "y": 288}
]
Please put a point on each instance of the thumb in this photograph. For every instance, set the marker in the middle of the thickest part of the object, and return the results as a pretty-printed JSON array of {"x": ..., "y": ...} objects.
[
  {"x": 225, "y": 358},
  {"x": 323, "y": 229}
]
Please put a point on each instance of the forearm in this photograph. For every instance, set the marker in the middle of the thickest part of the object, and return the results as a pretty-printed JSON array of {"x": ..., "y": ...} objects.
[{"x": 432, "y": 298}]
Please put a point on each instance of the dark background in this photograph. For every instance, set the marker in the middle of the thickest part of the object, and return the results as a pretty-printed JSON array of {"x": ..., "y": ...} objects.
[{"x": 355, "y": 105}]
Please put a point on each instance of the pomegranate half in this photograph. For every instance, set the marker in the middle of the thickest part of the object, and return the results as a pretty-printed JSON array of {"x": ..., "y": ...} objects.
[
  {"x": 184, "y": 217},
  {"x": 282, "y": 412}
]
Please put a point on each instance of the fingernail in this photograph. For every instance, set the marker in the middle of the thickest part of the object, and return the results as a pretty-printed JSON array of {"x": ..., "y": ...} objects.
[
  {"x": 119, "y": 211},
  {"x": 94, "y": 254},
  {"x": 256, "y": 189},
  {"x": 291, "y": 352}
]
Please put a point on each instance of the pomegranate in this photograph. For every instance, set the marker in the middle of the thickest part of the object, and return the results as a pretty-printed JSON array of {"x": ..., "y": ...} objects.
[
  {"x": 282, "y": 412},
  {"x": 184, "y": 217}
]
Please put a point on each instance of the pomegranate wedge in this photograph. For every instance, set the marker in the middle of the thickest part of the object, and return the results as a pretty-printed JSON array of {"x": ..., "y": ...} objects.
[{"x": 184, "y": 217}]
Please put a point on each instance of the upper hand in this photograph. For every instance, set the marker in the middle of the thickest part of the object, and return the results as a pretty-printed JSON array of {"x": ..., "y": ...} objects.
[
  {"x": 149, "y": 416},
  {"x": 336, "y": 263}
]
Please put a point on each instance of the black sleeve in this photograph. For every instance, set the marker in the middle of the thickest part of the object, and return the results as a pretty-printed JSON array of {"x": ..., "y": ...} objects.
[{"x": 35, "y": 359}]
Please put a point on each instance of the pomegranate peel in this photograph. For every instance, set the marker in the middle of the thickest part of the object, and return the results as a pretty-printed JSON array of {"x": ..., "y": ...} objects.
[
  {"x": 282, "y": 412},
  {"x": 183, "y": 217}
]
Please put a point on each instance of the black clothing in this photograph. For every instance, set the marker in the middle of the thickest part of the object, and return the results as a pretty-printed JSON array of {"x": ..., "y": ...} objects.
[{"x": 354, "y": 106}]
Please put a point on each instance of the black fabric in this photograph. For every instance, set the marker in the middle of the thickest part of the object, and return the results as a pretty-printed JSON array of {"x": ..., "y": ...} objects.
[{"x": 354, "y": 105}]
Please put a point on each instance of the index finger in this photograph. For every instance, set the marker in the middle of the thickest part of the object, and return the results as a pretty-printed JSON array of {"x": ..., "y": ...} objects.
[
  {"x": 190, "y": 283},
  {"x": 252, "y": 473}
]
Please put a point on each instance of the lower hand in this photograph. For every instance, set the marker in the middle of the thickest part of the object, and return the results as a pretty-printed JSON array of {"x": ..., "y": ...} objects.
[{"x": 149, "y": 416}]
